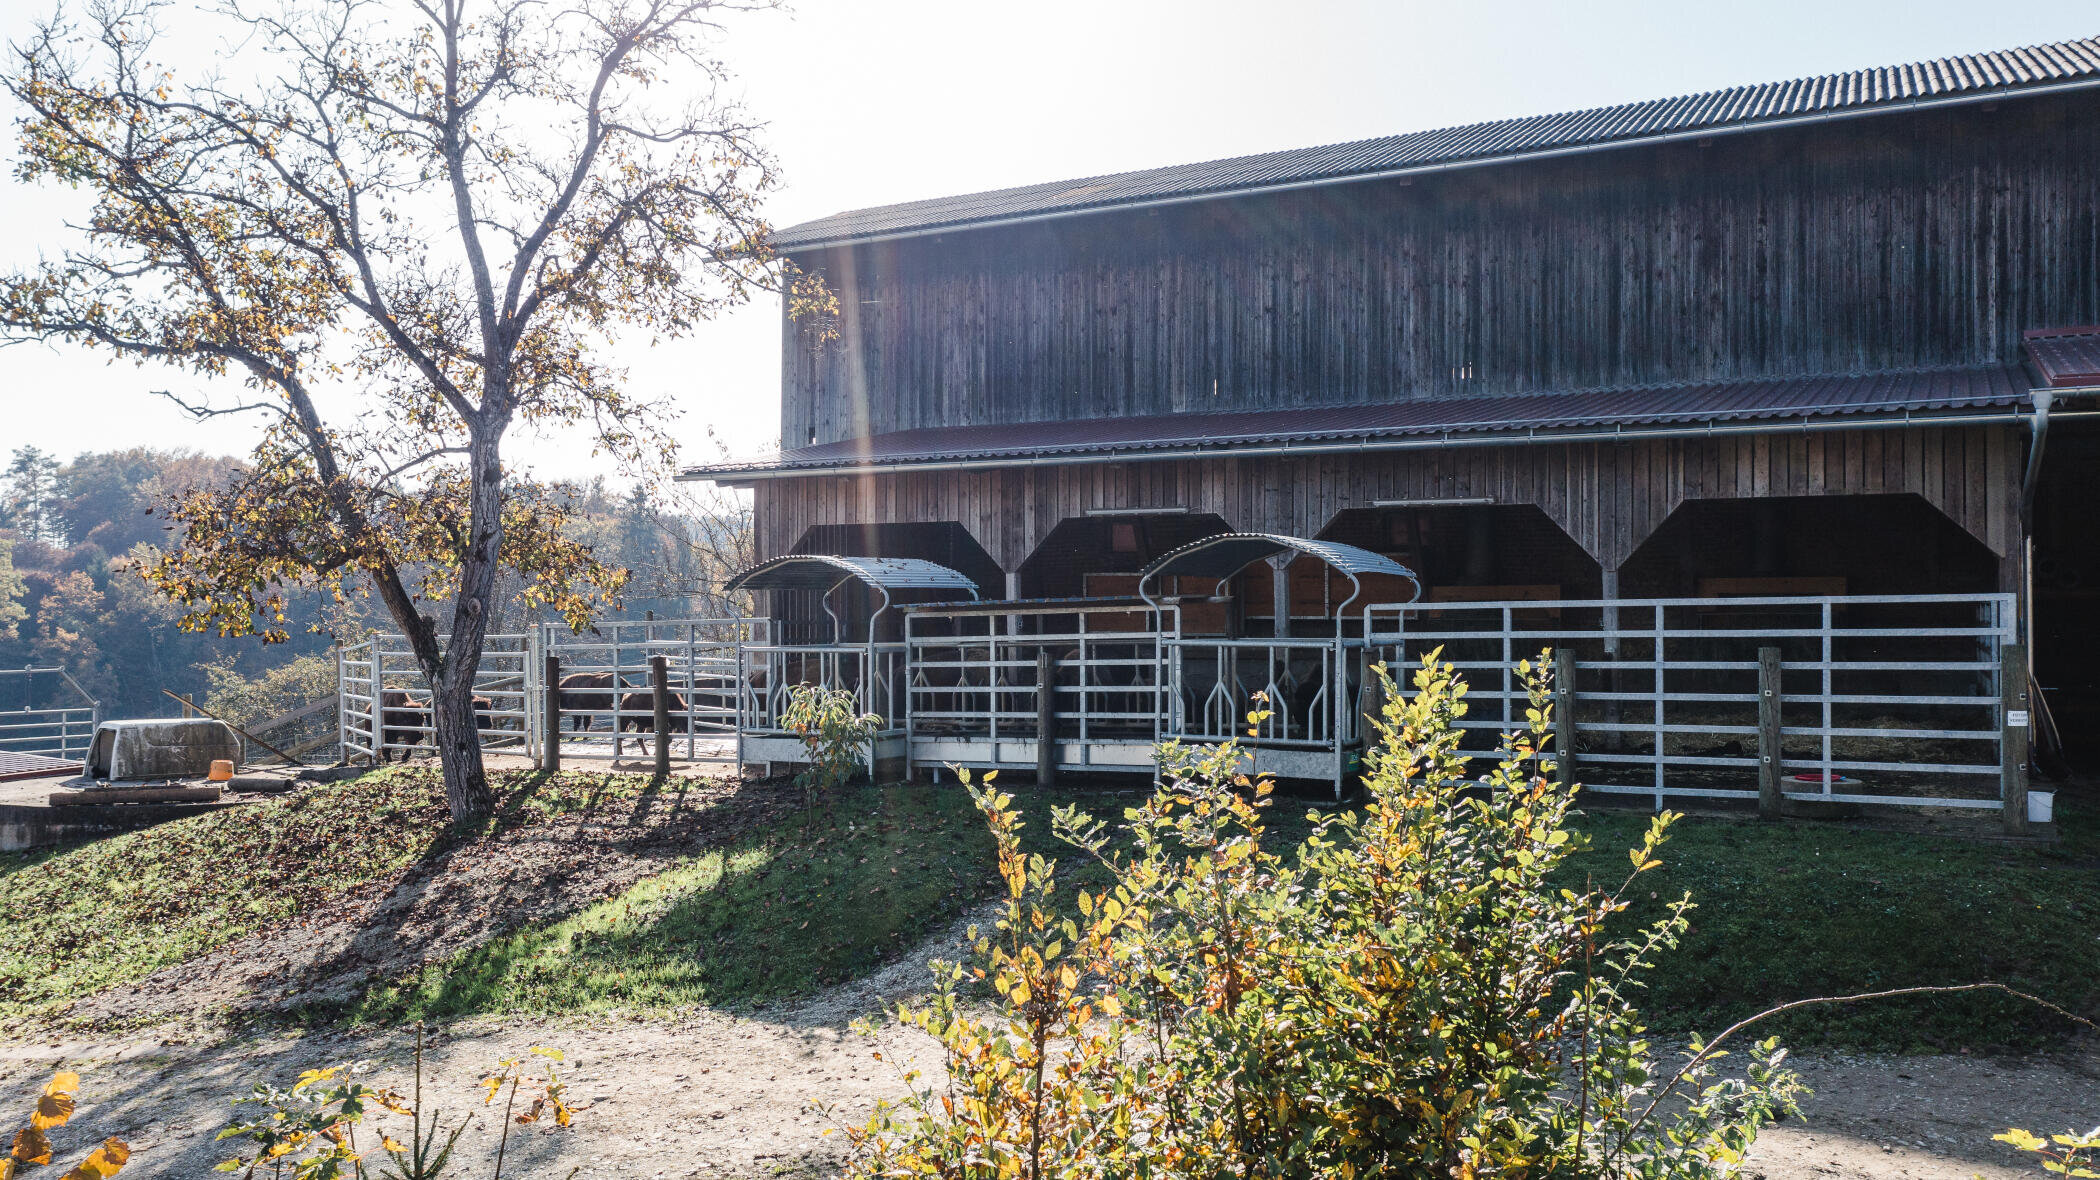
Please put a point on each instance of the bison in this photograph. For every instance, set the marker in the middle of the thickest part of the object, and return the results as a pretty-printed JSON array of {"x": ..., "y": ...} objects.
[
  {"x": 584, "y": 693},
  {"x": 638, "y": 713},
  {"x": 402, "y": 719}
]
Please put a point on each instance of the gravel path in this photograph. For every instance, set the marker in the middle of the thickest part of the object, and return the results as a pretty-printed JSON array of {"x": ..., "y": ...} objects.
[{"x": 711, "y": 1095}]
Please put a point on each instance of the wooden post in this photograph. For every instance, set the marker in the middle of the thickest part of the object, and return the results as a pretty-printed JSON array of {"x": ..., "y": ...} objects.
[
  {"x": 1564, "y": 714},
  {"x": 2012, "y": 747},
  {"x": 1370, "y": 700},
  {"x": 1045, "y": 718},
  {"x": 660, "y": 699},
  {"x": 1769, "y": 759},
  {"x": 550, "y": 715}
]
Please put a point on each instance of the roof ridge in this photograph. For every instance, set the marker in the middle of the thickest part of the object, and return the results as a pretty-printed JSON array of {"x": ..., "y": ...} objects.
[{"x": 1746, "y": 104}]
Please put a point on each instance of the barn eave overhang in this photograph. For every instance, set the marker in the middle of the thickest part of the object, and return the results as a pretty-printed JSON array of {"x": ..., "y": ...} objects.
[{"x": 1368, "y": 442}]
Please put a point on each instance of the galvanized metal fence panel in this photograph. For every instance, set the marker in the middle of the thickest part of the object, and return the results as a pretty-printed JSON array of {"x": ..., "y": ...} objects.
[
  {"x": 1900, "y": 690},
  {"x": 702, "y": 668},
  {"x": 44, "y": 711},
  {"x": 1105, "y": 685},
  {"x": 508, "y": 677},
  {"x": 1218, "y": 683},
  {"x": 872, "y": 672}
]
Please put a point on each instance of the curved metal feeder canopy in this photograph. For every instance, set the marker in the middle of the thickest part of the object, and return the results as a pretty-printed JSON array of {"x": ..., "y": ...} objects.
[
  {"x": 827, "y": 572},
  {"x": 1226, "y": 554}
]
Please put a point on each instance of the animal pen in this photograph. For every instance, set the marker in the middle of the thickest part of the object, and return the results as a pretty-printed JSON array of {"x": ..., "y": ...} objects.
[
  {"x": 1780, "y": 701},
  {"x": 47, "y": 720},
  {"x": 520, "y": 705}
]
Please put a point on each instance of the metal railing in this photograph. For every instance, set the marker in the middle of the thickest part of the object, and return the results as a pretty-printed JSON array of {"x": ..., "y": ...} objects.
[
  {"x": 1216, "y": 683},
  {"x": 872, "y": 672},
  {"x": 1882, "y": 699},
  {"x": 702, "y": 666},
  {"x": 1105, "y": 685},
  {"x": 44, "y": 711},
  {"x": 382, "y": 669}
]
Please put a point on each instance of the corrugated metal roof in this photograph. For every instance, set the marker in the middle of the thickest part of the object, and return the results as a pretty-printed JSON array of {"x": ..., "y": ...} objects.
[
  {"x": 1859, "y": 91},
  {"x": 1226, "y": 554},
  {"x": 822, "y": 571},
  {"x": 2065, "y": 357},
  {"x": 1642, "y": 406}
]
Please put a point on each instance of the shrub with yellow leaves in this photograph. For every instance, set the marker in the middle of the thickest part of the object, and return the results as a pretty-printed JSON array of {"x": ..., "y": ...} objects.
[
  {"x": 310, "y": 1131},
  {"x": 54, "y": 1109},
  {"x": 2066, "y": 1155},
  {"x": 1409, "y": 992}
]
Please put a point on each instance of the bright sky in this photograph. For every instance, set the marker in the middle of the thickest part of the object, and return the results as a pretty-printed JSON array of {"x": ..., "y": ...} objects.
[{"x": 872, "y": 102}]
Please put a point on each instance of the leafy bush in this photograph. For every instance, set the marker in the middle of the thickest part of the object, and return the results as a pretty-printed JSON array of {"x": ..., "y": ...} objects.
[
  {"x": 250, "y": 701},
  {"x": 312, "y": 1127},
  {"x": 2069, "y": 1154},
  {"x": 1408, "y": 993},
  {"x": 31, "y": 1146},
  {"x": 837, "y": 739}
]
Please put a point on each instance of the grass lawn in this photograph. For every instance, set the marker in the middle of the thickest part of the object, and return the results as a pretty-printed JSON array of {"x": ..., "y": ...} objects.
[
  {"x": 1795, "y": 909},
  {"x": 780, "y": 916},
  {"x": 77, "y": 920},
  {"x": 1786, "y": 910}
]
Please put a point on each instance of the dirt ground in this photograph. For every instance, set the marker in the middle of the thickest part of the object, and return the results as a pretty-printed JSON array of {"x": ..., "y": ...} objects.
[
  {"x": 711, "y": 1094},
  {"x": 716, "y": 1094}
]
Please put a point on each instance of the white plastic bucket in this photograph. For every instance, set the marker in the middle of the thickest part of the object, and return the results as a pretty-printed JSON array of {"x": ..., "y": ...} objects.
[{"x": 2041, "y": 807}]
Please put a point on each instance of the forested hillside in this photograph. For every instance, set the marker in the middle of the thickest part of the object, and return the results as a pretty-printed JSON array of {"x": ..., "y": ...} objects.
[{"x": 71, "y": 534}]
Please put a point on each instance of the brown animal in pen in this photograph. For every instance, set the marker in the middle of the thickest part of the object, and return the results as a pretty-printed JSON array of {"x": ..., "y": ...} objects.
[{"x": 587, "y": 693}]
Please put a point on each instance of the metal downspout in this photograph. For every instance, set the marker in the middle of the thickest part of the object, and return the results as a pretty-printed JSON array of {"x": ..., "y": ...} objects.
[{"x": 2038, "y": 426}]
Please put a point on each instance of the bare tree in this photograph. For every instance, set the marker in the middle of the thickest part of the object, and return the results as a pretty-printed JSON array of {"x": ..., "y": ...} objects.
[{"x": 406, "y": 228}]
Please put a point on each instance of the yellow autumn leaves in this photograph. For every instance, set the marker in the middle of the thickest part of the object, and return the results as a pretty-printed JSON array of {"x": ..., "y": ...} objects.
[
  {"x": 54, "y": 1108},
  {"x": 548, "y": 1103}
]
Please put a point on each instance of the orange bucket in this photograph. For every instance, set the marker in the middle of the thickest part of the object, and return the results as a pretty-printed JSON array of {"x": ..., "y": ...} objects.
[{"x": 221, "y": 770}]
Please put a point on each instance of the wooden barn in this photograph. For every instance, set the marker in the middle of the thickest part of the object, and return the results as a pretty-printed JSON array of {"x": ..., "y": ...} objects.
[{"x": 1769, "y": 407}]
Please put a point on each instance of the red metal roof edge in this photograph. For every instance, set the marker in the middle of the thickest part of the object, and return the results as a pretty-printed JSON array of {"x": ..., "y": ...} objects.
[
  {"x": 2004, "y": 386},
  {"x": 2063, "y": 358}
]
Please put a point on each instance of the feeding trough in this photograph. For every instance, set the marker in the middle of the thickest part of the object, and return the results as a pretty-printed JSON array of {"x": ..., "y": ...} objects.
[{"x": 161, "y": 748}]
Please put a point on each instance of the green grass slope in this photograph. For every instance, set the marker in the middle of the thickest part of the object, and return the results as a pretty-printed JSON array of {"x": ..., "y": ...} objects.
[
  {"x": 81, "y": 919},
  {"x": 1786, "y": 910}
]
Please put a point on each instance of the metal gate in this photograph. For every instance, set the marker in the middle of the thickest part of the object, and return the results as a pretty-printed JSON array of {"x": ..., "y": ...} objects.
[
  {"x": 701, "y": 659},
  {"x": 366, "y": 673},
  {"x": 45, "y": 712},
  {"x": 1881, "y": 699}
]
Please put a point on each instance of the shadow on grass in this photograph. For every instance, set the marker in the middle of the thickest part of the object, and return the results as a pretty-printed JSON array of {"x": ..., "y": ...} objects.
[{"x": 771, "y": 917}]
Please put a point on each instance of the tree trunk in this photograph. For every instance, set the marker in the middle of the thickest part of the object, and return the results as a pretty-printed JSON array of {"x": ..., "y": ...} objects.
[{"x": 458, "y": 742}]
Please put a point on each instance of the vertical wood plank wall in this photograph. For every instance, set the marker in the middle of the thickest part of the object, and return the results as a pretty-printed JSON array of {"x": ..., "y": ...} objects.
[
  {"x": 1892, "y": 241},
  {"x": 1607, "y": 497}
]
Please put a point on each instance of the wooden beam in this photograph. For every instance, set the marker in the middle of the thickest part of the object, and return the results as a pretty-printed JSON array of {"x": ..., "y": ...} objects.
[
  {"x": 1770, "y": 757},
  {"x": 2012, "y": 748}
]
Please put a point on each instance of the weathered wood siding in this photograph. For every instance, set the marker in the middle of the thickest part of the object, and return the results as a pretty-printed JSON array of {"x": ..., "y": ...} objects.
[
  {"x": 1883, "y": 242},
  {"x": 1608, "y": 497}
]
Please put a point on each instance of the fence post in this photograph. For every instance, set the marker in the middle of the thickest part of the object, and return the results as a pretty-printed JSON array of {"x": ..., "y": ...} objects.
[
  {"x": 342, "y": 715},
  {"x": 1045, "y": 719},
  {"x": 2012, "y": 745},
  {"x": 550, "y": 714},
  {"x": 660, "y": 703},
  {"x": 1769, "y": 759},
  {"x": 1564, "y": 714}
]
